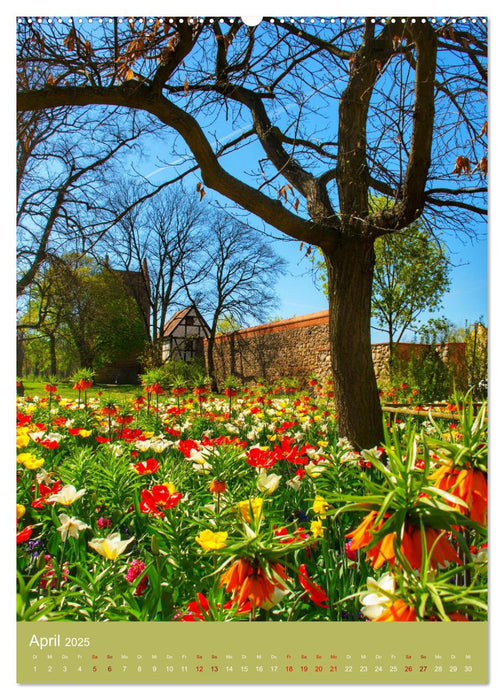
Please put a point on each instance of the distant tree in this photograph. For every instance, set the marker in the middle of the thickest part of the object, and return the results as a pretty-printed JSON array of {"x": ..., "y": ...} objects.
[
  {"x": 411, "y": 275},
  {"x": 227, "y": 324},
  {"x": 475, "y": 337},
  {"x": 63, "y": 168},
  {"x": 83, "y": 304},
  {"x": 241, "y": 272}
]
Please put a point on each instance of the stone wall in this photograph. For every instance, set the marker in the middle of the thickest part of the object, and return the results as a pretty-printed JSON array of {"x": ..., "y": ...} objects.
[{"x": 296, "y": 348}]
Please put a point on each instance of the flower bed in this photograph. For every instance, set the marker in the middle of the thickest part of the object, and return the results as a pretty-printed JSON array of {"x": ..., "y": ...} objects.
[{"x": 246, "y": 507}]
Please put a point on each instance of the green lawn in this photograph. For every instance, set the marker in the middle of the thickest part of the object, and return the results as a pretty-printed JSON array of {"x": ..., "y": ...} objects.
[{"x": 108, "y": 391}]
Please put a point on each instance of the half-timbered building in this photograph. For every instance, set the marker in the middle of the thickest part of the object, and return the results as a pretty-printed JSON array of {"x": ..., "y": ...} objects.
[{"x": 183, "y": 335}]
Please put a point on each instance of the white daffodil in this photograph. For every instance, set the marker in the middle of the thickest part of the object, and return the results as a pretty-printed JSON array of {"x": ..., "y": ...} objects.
[
  {"x": 56, "y": 437},
  {"x": 142, "y": 445},
  {"x": 66, "y": 496},
  {"x": 294, "y": 483},
  {"x": 199, "y": 462},
  {"x": 70, "y": 527},
  {"x": 373, "y": 452},
  {"x": 159, "y": 445},
  {"x": 110, "y": 547},
  {"x": 116, "y": 449},
  {"x": 378, "y": 597},
  {"x": 480, "y": 557},
  {"x": 314, "y": 470},
  {"x": 43, "y": 477},
  {"x": 268, "y": 483}
]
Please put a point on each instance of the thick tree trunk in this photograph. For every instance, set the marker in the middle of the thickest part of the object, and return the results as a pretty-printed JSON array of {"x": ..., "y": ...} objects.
[{"x": 350, "y": 276}]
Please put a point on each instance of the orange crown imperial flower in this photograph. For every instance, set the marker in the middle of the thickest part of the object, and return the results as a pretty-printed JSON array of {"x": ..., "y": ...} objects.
[
  {"x": 470, "y": 485},
  {"x": 438, "y": 545},
  {"x": 398, "y": 612},
  {"x": 216, "y": 486},
  {"x": 250, "y": 582}
]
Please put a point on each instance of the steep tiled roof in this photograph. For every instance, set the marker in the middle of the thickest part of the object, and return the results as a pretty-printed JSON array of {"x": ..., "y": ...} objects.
[{"x": 179, "y": 316}]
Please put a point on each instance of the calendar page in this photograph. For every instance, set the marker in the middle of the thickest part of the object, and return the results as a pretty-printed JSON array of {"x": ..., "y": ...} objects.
[{"x": 252, "y": 350}]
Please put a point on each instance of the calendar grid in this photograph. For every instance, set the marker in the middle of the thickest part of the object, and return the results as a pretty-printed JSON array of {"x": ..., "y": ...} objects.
[{"x": 243, "y": 653}]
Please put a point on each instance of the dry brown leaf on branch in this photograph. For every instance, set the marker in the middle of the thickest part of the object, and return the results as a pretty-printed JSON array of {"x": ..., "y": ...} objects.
[
  {"x": 484, "y": 129},
  {"x": 202, "y": 193},
  {"x": 69, "y": 40},
  {"x": 186, "y": 87},
  {"x": 396, "y": 42},
  {"x": 198, "y": 187},
  {"x": 88, "y": 48},
  {"x": 482, "y": 166},
  {"x": 462, "y": 166},
  {"x": 283, "y": 191},
  {"x": 296, "y": 205}
]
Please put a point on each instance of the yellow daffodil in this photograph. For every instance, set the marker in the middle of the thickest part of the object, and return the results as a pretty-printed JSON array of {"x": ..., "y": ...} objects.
[
  {"x": 110, "y": 547},
  {"x": 70, "y": 527},
  {"x": 209, "y": 540},
  {"x": 320, "y": 506},
  {"x": 20, "y": 511},
  {"x": 84, "y": 433},
  {"x": 317, "y": 528},
  {"x": 66, "y": 496}
]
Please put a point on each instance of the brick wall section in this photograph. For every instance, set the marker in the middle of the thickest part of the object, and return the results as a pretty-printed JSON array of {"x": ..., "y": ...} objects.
[{"x": 297, "y": 347}]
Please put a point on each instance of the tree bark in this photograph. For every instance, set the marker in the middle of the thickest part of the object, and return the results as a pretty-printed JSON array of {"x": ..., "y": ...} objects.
[
  {"x": 52, "y": 348},
  {"x": 350, "y": 278}
]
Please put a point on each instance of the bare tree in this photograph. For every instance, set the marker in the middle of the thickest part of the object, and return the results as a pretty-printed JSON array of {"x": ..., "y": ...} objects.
[
  {"x": 386, "y": 106},
  {"x": 64, "y": 167},
  {"x": 236, "y": 285},
  {"x": 161, "y": 240}
]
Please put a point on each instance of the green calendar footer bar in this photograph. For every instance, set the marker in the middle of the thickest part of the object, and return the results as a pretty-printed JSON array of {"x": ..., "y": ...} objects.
[{"x": 215, "y": 652}]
